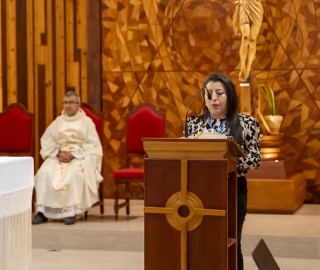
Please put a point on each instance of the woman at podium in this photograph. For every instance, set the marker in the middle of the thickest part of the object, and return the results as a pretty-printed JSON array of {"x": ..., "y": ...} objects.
[{"x": 221, "y": 115}]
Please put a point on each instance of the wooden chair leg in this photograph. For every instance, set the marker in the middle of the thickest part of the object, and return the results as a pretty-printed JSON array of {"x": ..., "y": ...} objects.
[
  {"x": 128, "y": 207},
  {"x": 116, "y": 200},
  {"x": 127, "y": 199},
  {"x": 101, "y": 201},
  {"x": 33, "y": 202},
  {"x": 102, "y": 209},
  {"x": 86, "y": 215}
]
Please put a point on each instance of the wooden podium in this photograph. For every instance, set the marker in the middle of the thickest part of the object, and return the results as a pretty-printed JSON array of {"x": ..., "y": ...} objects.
[{"x": 191, "y": 204}]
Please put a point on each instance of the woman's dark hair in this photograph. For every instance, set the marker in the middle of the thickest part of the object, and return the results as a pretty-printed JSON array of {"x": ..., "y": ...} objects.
[{"x": 232, "y": 119}]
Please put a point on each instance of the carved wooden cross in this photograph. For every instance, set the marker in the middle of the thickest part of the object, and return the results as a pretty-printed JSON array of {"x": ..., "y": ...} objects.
[{"x": 184, "y": 211}]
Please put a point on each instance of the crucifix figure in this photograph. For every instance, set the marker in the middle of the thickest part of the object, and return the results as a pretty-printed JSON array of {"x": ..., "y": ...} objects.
[{"x": 247, "y": 20}]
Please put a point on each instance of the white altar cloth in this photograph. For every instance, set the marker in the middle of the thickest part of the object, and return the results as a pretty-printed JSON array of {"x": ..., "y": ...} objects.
[{"x": 16, "y": 186}]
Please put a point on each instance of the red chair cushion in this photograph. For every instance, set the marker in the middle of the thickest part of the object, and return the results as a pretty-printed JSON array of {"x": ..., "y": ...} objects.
[
  {"x": 15, "y": 133},
  {"x": 129, "y": 173},
  {"x": 96, "y": 119},
  {"x": 143, "y": 124}
]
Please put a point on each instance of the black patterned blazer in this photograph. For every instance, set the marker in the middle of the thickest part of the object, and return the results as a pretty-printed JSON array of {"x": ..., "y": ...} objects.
[{"x": 250, "y": 133}]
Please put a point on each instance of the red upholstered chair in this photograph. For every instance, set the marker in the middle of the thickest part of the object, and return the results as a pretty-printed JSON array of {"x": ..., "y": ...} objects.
[
  {"x": 144, "y": 121},
  {"x": 16, "y": 131},
  {"x": 98, "y": 121}
]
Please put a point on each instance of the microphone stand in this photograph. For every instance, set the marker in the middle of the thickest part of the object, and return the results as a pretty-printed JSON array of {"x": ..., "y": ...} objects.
[
  {"x": 186, "y": 133},
  {"x": 208, "y": 93}
]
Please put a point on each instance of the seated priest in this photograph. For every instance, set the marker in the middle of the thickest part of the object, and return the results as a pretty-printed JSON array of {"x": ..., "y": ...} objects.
[{"x": 67, "y": 183}]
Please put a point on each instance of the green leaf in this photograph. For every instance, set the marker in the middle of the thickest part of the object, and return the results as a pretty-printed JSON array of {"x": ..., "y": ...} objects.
[
  {"x": 269, "y": 96},
  {"x": 272, "y": 102}
]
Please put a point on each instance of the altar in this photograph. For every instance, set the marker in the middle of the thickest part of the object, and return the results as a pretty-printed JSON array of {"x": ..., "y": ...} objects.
[{"x": 16, "y": 186}]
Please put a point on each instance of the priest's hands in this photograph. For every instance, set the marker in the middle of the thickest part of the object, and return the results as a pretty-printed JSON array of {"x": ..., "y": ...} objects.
[{"x": 65, "y": 157}]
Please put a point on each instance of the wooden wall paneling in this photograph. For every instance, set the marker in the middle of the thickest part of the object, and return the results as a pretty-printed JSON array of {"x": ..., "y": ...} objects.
[
  {"x": 60, "y": 53},
  {"x": 11, "y": 51},
  {"x": 82, "y": 45},
  {"x": 3, "y": 63},
  {"x": 22, "y": 60},
  {"x": 244, "y": 102},
  {"x": 54, "y": 57},
  {"x": 94, "y": 72},
  {"x": 41, "y": 110},
  {"x": 47, "y": 60},
  {"x": 40, "y": 106},
  {"x": 30, "y": 57},
  {"x": 44, "y": 52},
  {"x": 71, "y": 52}
]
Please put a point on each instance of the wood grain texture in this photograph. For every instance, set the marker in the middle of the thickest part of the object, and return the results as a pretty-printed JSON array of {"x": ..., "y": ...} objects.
[
  {"x": 40, "y": 73},
  {"x": 276, "y": 195},
  {"x": 11, "y": 39},
  {"x": 60, "y": 43},
  {"x": 43, "y": 54},
  {"x": 161, "y": 51},
  {"x": 47, "y": 60},
  {"x": 72, "y": 58},
  {"x": 94, "y": 55},
  {"x": 22, "y": 67},
  {"x": 81, "y": 36},
  {"x": 206, "y": 245},
  {"x": 30, "y": 75},
  {"x": 4, "y": 85}
]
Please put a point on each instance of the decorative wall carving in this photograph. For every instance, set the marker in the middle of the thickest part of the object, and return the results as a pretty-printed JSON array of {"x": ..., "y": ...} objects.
[{"x": 161, "y": 51}]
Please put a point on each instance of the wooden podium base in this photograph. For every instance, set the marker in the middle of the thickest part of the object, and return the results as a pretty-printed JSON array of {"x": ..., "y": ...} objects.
[
  {"x": 190, "y": 204},
  {"x": 276, "y": 188}
]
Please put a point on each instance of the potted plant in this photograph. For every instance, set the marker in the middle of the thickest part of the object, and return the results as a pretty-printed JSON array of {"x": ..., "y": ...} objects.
[{"x": 273, "y": 120}]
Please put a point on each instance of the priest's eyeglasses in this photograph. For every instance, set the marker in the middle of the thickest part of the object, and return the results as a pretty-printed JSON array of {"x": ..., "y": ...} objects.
[{"x": 69, "y": 102}]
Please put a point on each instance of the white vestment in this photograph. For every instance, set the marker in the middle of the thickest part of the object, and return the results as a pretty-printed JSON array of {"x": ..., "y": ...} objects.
[{"x": 66, "y": 189}]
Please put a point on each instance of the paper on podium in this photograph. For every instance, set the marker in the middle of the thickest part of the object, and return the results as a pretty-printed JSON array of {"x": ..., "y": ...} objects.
[{"x": 211, "y": 135}]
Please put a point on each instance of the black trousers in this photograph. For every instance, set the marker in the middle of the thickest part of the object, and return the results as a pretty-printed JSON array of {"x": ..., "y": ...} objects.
[{"x": 242, "y": 211}]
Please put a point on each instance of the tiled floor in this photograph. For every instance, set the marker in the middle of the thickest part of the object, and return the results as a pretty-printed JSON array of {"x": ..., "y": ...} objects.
[{"x": 103, "y": 243}]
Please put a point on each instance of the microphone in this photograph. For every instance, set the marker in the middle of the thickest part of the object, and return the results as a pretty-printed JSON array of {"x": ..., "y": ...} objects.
[
  {"x": 186, "y": 133},
  {"x": 208, "y": 94}
]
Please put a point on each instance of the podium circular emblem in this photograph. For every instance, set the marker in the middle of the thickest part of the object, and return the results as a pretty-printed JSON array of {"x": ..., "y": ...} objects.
[{"x": 184, "y": 211}]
